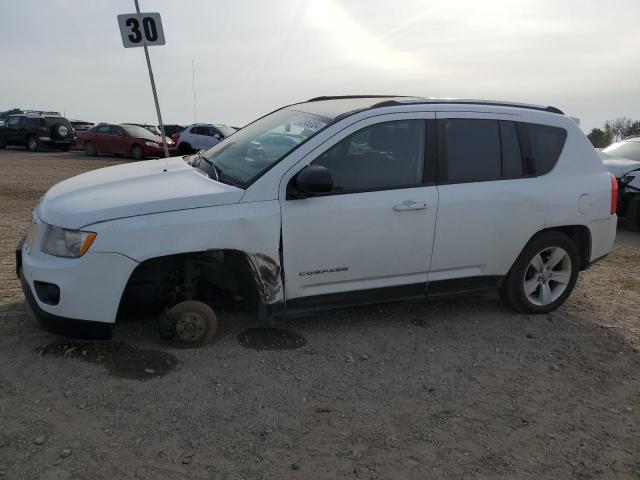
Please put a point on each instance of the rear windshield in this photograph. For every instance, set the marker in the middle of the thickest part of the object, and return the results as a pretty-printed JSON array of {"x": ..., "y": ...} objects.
[
  {"x": 139, "y": 132},
  {"x": 226, "y": 131},
  {"x": 630, "y": 150},
  {"x": 49, "y": 121}
]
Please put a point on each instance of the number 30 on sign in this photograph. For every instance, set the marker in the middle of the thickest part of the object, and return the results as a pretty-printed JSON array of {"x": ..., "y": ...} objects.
[{"x": 141, "y": 29}]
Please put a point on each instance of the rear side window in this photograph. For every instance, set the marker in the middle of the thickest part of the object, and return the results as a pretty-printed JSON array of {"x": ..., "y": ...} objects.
[
  {"x": 545, "y": 145},
  {"x": 476, "y": 150},
  {"x": 512, "y": 163},
  {"x": 471, "y": 150}
]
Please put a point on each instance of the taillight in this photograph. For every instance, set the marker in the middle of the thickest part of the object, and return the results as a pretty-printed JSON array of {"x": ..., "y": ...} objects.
[
  {"x": 43, "y": 129},
  {"x": 614, "y": 194}
]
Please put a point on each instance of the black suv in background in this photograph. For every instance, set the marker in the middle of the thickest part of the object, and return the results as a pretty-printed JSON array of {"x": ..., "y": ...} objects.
[{"x": 36, "y": 129}]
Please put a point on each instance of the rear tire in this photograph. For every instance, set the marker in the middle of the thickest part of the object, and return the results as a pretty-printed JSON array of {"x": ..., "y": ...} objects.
[
  {"x": 632, "y": 215},
  {"x": 90, "y": 149},
  {"x": 544, "y": 274},
  {"x": 33, "y": 144},
  {"x": 137, "y": 152}
]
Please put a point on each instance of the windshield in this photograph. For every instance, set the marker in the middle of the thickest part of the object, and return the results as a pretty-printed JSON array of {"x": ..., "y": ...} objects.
[
  {"x": 139, "y": 132},
  {"x": 226, "y": 131},
  {"x": 251, "y": 151},
  {"x": 630, "y": 150}
]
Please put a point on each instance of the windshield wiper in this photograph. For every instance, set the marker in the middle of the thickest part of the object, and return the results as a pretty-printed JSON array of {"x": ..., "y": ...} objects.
[
  {"x": 210, "y": 162},
  {"x": 220, "y": 176}
]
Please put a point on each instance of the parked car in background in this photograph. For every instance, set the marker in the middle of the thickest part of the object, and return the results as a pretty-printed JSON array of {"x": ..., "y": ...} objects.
[
  {"x": 202, "y": 136},
  {"x": 152, "y": 128},
  {"x": 622, "y": 159},
  {"x": 124, "y": 139},
  {"x": 81, "y": 125},
  {"x": 36, "y": 129},
  {"x": 333, "y": 202},
  {"x": 171, "y": 130}
]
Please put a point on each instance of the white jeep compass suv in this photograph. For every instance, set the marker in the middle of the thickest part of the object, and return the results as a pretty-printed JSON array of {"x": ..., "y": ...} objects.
[{"x": 331, "y": 202}]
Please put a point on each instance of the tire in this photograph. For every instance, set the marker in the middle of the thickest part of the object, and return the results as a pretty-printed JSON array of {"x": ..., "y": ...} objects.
[
  {"x": 632, "y": 215},
  {"x": 544, "y": 274},
  {"x": 33, "y": 144},
  {"x": 90, "y": 149},
  {"x": 184, "y": 149},
  {"x": 137, "y": 152},
  {"x": 195, "y": 323}
]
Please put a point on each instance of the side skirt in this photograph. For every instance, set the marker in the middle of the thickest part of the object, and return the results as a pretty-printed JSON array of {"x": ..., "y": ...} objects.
[{"x": 414, "y": 292}]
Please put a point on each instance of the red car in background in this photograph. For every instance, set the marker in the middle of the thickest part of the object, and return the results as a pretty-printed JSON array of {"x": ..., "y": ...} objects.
[{"x": 132, "y": 140}]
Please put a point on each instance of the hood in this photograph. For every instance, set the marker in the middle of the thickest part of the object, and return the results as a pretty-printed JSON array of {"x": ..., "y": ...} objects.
[
  {"x": 618, "y": 166},
  {"x": 133, "y": 189}
]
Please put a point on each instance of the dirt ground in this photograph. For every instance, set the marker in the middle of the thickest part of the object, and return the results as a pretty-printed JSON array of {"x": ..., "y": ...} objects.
[{"x": 457, "y": 389}]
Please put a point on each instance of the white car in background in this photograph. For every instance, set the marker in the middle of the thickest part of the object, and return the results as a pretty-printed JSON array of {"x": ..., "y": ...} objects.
[
  {"x": 622, "y": 159},
  {"x": 201, "y": 136},
  {"x": 333, "y": 202}
]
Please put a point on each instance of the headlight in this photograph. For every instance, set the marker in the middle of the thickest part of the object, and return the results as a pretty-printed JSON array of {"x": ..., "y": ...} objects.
[
  {"x": 66, "y": 243},
  {"x": 152, "y": 144}
]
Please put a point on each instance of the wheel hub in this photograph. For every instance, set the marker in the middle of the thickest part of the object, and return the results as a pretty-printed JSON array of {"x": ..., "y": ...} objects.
[{"x": 190, "y": 327}]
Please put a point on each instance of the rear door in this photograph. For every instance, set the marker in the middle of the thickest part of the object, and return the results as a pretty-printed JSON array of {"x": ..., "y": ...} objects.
[
  {"x": 102, "y": 137},
  {"x": 372, "y": 235},
  {"x": 491, "y": 201}
]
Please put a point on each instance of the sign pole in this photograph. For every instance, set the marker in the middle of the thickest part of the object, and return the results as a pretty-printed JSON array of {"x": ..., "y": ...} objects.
[{"x": 155, "y": 94}]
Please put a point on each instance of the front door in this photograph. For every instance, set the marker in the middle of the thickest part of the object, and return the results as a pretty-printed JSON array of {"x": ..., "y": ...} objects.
[{"x": 375, "y": 229}]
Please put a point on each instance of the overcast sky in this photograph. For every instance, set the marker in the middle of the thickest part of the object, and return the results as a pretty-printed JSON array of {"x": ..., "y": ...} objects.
[{"x": 252, "y": 56}]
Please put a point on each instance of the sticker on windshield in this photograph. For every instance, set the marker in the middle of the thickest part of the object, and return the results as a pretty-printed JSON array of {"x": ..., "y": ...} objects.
[{"x": 309, "y": 124}]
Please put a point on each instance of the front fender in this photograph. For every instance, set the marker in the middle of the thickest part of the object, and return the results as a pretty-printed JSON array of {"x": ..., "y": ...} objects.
[{"x": 253, "y": 228}]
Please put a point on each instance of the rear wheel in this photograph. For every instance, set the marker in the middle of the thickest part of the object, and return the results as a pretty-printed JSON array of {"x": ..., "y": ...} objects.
[
  {"x": 33, "y": 145},
  {"x": 632, "y": 217},
  {"x": 544, "y": 274},
  {"x": 137, "y": 153},
  {"x": 90, "y": 149}
]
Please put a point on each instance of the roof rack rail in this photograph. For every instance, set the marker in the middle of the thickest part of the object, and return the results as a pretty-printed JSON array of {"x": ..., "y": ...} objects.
[
  {"x": 421, "y": 101},
  {"x": 41, "y": 112},
  {"x": 346, "y": 97}
]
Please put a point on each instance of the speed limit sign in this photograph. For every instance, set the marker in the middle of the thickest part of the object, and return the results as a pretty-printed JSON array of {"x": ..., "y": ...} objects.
[{"x": 141, "y": 29}]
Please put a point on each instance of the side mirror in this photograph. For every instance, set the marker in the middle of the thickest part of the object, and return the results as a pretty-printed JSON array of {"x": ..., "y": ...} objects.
[{"x": 311, "y": 180}]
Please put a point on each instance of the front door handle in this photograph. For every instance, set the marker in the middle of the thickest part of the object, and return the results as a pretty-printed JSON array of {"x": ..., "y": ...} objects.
[{"x": 410, "y": 205}]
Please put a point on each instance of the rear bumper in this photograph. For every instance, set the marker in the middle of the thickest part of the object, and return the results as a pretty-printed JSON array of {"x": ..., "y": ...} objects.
[
  {"x": 48, "y": 141},
  {"x": 603, "y": 236}
]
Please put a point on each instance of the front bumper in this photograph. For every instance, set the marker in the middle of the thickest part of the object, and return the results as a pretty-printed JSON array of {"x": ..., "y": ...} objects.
[
  {"x": 158, "y": 152},
  {"x": 90, "y": 290}
]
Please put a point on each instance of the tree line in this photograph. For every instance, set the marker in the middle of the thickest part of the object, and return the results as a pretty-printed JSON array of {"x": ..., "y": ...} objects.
[{"x": 613, "y": 131}]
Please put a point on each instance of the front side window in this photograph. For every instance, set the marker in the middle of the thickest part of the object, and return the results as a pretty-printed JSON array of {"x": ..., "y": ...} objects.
[
  {"x": 241, "y": 158},
  {"x": 104, "y": 130},
  {"x": 385, "y": 155},
  {"x": 13, "y": 121}
]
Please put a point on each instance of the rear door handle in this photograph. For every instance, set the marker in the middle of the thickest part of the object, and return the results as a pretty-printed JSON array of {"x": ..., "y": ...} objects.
[{"x": 410, "y": 205}]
